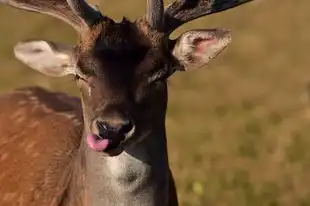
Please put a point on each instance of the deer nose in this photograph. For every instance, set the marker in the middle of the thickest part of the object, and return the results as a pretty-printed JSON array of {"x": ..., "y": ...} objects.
[{"x": 121, "y": 127}]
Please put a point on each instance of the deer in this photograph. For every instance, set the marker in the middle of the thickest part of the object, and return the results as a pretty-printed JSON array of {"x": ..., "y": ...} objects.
[{"x": 109, "y": 147}]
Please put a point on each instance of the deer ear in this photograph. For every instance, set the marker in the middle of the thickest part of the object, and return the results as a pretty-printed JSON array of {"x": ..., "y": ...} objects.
[
  {"x": 46, "y": 57},
  {"x": 196, "y": 48}
]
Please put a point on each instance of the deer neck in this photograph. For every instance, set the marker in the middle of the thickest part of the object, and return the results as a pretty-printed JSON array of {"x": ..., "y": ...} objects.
[{"x": 138, "y": 176}]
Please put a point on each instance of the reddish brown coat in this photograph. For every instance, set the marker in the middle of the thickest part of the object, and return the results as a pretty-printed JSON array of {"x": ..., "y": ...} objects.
[{"x": 40, "y": 133}]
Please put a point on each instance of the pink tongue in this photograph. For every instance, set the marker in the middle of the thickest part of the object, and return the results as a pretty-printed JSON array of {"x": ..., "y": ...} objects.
[{"x": 97, "y": 144}]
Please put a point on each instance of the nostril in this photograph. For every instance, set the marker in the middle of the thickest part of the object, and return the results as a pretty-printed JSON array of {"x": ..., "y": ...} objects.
[
  {"x": 126, "y": 127},
  {"x": 101, "y": 125},
  {"x": 102, "y": 128},
  {"x": 106, "y": 130}
]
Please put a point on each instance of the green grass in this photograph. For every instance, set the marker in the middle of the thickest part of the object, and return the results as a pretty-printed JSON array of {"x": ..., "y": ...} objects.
[{"x": 239, "y": 129}]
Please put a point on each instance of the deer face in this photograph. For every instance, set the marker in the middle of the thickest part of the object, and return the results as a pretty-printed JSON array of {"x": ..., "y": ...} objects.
[
  {"x": 121, "y": 74},
  {"x": 121, "y": 70}
]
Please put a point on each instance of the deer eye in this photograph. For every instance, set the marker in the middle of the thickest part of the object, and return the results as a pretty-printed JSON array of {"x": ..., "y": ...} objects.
[
  {"x": 83, "y": 80},
  {"x": 78, "y": 77}
]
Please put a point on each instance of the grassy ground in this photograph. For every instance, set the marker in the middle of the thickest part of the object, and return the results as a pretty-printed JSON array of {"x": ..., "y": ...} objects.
[{"x": 239, "y": 131}]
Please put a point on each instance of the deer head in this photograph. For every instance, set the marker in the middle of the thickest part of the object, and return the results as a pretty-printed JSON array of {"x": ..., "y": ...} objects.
[{"x": 121, "y": 68}]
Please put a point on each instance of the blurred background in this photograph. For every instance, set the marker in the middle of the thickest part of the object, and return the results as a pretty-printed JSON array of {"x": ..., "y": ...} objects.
[{"x": 238, "y": 129}]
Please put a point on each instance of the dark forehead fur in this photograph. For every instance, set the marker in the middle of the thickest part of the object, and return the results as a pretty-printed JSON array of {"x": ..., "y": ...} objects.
[
  {"x": 125, "y": 45},
  {"x": 108, "y": 34}
]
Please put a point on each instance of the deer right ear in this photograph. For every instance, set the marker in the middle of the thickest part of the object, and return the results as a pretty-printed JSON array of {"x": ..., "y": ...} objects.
[
  {"x": 46, "y": 57},
  {"x": 196, "y": 48}
]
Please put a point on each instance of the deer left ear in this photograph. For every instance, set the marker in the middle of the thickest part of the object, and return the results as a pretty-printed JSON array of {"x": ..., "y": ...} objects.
[
  {"x": 49, "y": 58},
  {"x": 196, "y": 48}
]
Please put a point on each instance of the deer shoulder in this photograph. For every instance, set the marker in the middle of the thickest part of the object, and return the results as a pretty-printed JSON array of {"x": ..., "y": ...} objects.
[{"x": 40, "y": 135}]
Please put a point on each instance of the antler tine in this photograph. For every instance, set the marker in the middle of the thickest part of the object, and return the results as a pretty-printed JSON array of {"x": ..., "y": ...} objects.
[
  {"x": 75, "y": 12},
  {"x": 182, "y": 11},
  {"x": 85, "y": 11},
  {"x": 155, "y": 13}
]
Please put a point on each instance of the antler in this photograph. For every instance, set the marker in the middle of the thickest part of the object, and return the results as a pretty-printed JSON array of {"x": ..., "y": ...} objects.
[
  {"x": 155, "y": 13},
  {"x": 77, "y": 13},
  {"x": 85, "y": 11},
  {"x": 182, "y": 11}
]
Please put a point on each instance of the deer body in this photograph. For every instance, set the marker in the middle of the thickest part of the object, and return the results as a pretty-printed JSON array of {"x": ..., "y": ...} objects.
[
  {"x": 40, "y": 136},
  {"x": 140, "y": 177},
  {"x": 110, "y": 148}
]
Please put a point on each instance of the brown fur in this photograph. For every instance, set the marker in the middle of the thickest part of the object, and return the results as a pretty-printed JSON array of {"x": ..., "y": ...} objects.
[
  {"x": 140, "y": 32},
  {"x": 40, "y": 133}
]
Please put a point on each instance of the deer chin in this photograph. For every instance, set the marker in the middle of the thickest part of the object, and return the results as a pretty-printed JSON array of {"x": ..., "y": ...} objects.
[{"x": 102, "y": 144}]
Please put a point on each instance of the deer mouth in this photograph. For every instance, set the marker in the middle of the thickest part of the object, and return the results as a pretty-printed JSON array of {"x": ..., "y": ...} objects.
[{"x": 103, "y": 144}]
